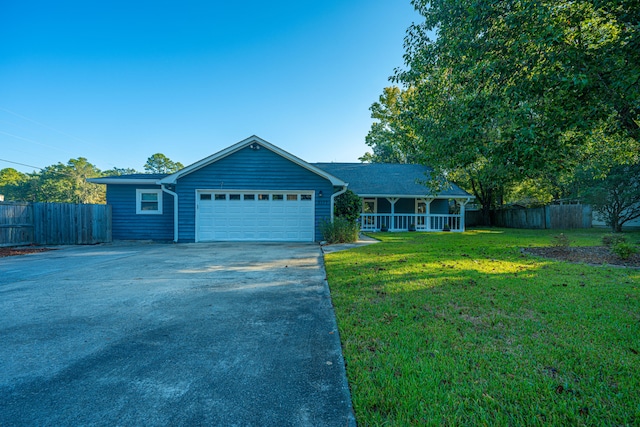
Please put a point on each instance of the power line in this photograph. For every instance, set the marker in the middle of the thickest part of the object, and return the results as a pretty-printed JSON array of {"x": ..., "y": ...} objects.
[
  {"x": 50, "y": 128},
  {"x": 43, "y": 125},
  {"x": 35, "y": 142},
  {"x": 21, "y": 164}
]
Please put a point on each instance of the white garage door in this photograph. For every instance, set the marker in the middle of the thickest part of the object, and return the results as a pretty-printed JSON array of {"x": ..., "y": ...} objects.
[{"x": 286, "y": 216}]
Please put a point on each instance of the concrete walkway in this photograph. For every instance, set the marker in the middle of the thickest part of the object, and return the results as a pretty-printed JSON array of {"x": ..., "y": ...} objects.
[
  {"x": 362, "y": 241},
  {"x": 156, "y": 335}
]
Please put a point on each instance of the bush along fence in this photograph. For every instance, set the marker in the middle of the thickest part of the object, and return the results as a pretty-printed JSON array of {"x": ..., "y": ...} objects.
[
  {"x": 54, "y": 224},
  {"x": 548, "y": 217}
]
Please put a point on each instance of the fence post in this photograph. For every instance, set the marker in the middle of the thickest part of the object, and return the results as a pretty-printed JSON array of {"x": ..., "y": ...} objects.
[
  {"x": 587, "y": 216},
  {"x": 547, "y": 217}
]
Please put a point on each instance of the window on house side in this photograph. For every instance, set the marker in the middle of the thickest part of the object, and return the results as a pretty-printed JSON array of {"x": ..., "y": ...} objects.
[
  {"x": 369, "y": 206},
  {"x": 148, "y": 202}
]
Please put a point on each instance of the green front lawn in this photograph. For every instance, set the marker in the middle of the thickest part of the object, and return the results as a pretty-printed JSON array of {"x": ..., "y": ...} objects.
[{"x": 463, "y": 329}]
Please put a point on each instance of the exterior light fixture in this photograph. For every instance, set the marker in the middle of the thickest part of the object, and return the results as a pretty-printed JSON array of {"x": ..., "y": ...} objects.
[{"x": 320, "y": 193}]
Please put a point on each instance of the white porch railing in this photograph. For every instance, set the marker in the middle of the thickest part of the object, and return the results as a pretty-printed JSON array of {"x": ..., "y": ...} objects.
[{"x": 402, "y": 222}]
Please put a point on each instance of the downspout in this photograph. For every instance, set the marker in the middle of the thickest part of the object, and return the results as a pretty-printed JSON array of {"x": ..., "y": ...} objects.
[
  {"x": 175, "y": 211},
  {"x": 333, "y": 198}
]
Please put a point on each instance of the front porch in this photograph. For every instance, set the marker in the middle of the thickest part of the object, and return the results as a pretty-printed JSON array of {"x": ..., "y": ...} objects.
[
  {"x": 411, "y": 222},
  {"x": 412, "y": 213}
]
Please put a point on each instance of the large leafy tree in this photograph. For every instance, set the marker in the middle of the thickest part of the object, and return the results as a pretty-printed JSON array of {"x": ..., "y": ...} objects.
[
  {"x": 12, "y": 184},
  {"x": 508, "y": 91},
  {"x": 391, "y": 138},
  {"x": 159, "y": 163},
  {"x": 61, "y": 183},
  {"x": 67, "y": 183}
]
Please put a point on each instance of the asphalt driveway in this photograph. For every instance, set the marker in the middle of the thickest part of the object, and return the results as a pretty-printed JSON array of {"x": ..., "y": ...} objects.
[{"x": 162, "y": 334}]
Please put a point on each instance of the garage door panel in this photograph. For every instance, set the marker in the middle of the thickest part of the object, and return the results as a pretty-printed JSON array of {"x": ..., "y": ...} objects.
[
  {"x": 235, "y": 222},
  {"x": 247, "y": 215},
  {"x": 250, "y": 223}
]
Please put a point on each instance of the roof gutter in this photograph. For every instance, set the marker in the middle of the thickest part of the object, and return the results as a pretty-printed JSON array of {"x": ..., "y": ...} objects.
[
  {"x": 175, "y": 211},
  {"x": 333, "y": 198},
  {"x": 116, "y": 180},
  {"x": 416, "y": 196}
]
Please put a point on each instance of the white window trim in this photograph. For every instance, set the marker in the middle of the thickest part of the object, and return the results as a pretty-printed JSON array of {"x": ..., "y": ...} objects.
[
  {"x": 375, "y": 204},
  {"x": 139, "y": 192}
]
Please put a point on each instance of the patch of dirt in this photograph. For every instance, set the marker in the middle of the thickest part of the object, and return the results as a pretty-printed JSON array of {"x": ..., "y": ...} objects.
[
  {"x": 598, "y": 255},
  {"x": 21, "y": 251}
]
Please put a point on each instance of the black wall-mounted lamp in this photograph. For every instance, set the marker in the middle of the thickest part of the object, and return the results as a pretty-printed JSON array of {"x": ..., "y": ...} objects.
[{"x": 320, "y": 193}]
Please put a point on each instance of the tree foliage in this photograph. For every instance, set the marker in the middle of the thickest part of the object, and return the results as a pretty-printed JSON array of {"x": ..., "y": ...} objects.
[
  {"x": 66, "y": 183},
  {"x": 616, "y": 197},
  {"x": 348, "y": 206},
  {"x": 11, "y": 183},
  {"x": 159, "y": 163},
  {"x": 391, "y": 138},
  {"x": 510, "y": 91},
  {"x": 120, "y": 171}
]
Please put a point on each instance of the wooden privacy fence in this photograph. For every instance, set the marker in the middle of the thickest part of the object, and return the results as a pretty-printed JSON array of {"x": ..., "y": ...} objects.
[
  {"x": 54, "y": 224},
  {"x": 548, "y": 217},
  {"x": 16, "y": 224}
]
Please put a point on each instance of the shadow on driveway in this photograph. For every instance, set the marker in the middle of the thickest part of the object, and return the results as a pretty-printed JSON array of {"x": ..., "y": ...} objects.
[{"x": 153, "y": 334}]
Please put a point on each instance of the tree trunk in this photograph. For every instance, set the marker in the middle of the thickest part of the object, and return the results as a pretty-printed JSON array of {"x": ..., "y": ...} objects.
[
  {"x": 486, "y": 214},
  {"x": 485, "y": 197}
]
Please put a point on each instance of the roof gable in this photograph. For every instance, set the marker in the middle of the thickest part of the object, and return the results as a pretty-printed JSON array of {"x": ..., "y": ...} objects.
[{"x": 257, "y": 144}]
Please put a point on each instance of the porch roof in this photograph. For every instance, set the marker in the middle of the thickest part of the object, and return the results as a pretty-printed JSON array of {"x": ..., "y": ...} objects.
[{"x": 388, "y": 180}]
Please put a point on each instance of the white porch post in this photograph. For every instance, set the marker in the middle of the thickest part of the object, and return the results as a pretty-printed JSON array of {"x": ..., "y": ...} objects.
[
  {"x": 462, "y": 203},
  {"x": 393, "y": 201},
  {"x": 427, "y": 219}
]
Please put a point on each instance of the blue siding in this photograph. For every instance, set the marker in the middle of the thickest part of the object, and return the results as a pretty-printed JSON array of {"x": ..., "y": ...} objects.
[
  {"x": 440, "y": 207},
  {"x": 402, "y": 206},
  {"x": 383, "y": 205},
  {"x": 249, "y": 169},
  {"x": 406, "y": 206},
  {"x": 127, "y": 225}
]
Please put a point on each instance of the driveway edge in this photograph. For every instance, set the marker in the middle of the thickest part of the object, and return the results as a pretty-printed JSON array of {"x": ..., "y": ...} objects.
[{"x": 351, "y": 419}]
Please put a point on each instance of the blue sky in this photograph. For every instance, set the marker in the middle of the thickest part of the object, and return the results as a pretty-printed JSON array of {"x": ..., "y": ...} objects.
[{"x": 118, "y": 81}]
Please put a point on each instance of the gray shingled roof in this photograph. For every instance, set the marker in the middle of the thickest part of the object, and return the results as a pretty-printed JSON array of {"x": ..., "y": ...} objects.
[
  {"x": 365, "y": 179},
  {"x": 387, "y": 179},
  {"x": 142, "y": 176}
]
